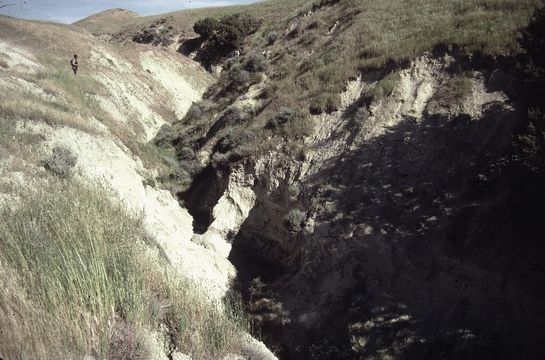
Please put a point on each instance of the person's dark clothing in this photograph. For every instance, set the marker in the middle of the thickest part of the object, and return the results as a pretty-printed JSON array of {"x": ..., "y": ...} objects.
[{"x": 74, "y": 63}]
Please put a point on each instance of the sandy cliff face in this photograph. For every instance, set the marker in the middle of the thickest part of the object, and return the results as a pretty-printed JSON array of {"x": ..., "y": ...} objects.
[{"x": 399, "y": 252}]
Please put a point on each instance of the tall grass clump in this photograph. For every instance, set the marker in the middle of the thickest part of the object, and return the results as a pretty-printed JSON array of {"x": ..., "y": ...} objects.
[
  {"x": 79, "y": 90},
  {"x": 76, "y": 279},
  {"x": 67, "y": 100}
]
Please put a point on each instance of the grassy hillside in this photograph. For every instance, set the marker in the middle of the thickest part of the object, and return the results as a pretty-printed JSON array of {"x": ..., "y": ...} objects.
[
  {"x": 80, "y": 273},
  {"x": 77, "y": 280},
  {"x": 107, "y": 22},
  {"x": 112, "y": 91},
  {"x": 182, "y": 21},
  {"x": 333, "y": 41},
  {"x": 313, "y": 48},
  {"x": 301, "y": 58}
]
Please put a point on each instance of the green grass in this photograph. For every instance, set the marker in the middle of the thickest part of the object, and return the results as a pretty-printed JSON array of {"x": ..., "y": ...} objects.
[
  {"x": 162, "y": 161},
  {"x": 384, "y": 87},
  {"x": 459, "y": 87},
  {"x": 76, "y": 279},
  {"x": 34, "y": 108},
  {"x": 68, "y": 101},
  {"x": 309, "y": 67},
  {"x": 379, "y": 35},
  {"x": 78, "y": 92},
  {"x": 453, "y": 92}
]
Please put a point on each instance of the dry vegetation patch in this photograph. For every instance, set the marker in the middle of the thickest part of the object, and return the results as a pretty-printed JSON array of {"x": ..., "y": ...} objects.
[
  {"x": 307, "y": 53},
  {"x": 77, "y": 280}
]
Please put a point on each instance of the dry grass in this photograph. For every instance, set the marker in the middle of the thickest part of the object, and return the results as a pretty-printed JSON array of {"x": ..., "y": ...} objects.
[
  {"x": 14, "y": 142},
  {"x": 161, "y": 160},
  {"x": 78, "y": 92},
  {"x": 50, "y": 43},
  {"x": 384, "y": 87},
  {"x": 182, "y": 21},
  {"x": 317, "y": 49},
  {"x": 67, "y": 100},
  {"x": 310, "y": 62},
  {"x": 34, "y": 108},
  {"x": 76, "y": 280},
  {"x": 455, "y": 90},
  {"x": 18, "y": 155},
  {"x": 106, "y": 22}
]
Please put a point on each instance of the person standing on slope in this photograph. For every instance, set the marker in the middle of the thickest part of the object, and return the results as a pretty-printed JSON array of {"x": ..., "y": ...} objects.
[{"x": 75, "y": 64}]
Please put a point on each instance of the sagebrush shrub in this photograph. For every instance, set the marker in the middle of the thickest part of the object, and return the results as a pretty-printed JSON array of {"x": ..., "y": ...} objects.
[
  {"x": 255, "y": 62},
  {"x": 195, "y": 112},
  {"x": 228, "y": 31},
  {"x": 325, "y": 103},
  {"x": 272, "y": 38},
  {"x": 164, "y": 136},
  {"x": 233, "y": 116},
  {"x": 361, "y": 116},
  {"x": 295, "y": 219},
  {"x": 128, "y": 342},
  {"x": 241, "y": 78},
  {"x": 294, "y": 190},
  {"x": 206, "y": 27},
  {"x": 284, "y": 115},
  {"x": 186, "y": 153},
  {"x": 61, "y": 162}
]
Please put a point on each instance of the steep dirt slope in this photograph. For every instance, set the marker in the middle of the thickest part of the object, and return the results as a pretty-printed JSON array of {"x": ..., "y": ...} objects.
[
  {"x": 407, "y": 241},
  {"x": 105, "y": 115}
]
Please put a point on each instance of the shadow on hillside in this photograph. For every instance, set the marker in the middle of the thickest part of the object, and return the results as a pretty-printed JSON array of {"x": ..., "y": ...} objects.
[
  {"x": 190, "y": 46},
  {"x": 421, "y": 228},
  {"x": 427, "y": 204}
]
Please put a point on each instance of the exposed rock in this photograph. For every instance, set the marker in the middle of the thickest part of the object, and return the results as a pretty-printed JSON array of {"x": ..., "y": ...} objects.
[
  {"x": 382, "y": 198},
  {"x": 229, "y": 213},
  {"x": 178, "y": 78}
]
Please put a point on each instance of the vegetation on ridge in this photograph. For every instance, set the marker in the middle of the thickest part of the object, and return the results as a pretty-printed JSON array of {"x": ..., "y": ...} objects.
[
  {"x": 221, "y": 37},
  {"x": 306, "y": 58},
  {"x": 532, "y": 140}
]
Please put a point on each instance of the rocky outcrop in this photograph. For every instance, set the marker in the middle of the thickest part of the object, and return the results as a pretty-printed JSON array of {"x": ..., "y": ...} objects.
[
  {"x": 400, "y": 197},
  {"x": 229, "y": 213}
]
